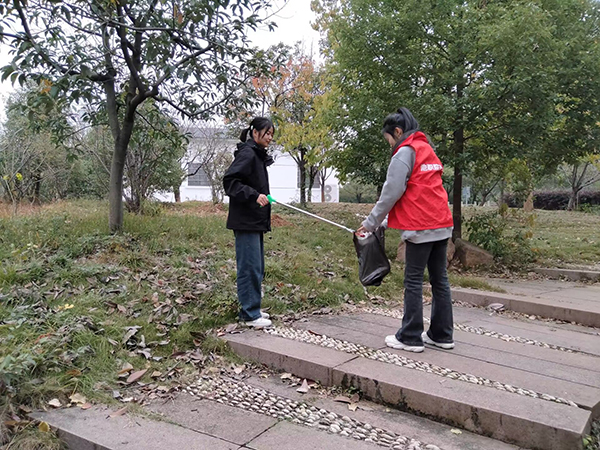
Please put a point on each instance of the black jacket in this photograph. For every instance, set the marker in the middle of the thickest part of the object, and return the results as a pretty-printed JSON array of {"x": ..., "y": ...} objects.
[{"x": 245, "y": 179}]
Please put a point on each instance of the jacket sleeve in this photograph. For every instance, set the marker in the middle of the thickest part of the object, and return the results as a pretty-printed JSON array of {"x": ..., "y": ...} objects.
[
  {"x": 399, "y": 171},
  {"x": 233, "y": 180}
]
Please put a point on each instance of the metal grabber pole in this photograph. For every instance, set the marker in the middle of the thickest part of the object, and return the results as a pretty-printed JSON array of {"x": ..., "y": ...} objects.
[{"x": 272, "y": 200}]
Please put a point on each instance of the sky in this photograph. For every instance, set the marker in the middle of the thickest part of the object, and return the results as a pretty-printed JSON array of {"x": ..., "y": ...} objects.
[{"x": 293, "y": 18}]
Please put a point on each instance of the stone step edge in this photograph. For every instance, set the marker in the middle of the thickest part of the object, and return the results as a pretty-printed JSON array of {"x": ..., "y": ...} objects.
[
  {"x": 85, "y": 440},
  {"x": 283, "y": 354},
  {"x": 570, "y": 274},
  {"x": 528, "y": 305}
]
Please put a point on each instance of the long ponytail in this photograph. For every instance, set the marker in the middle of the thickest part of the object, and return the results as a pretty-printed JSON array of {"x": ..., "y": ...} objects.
[{"x": 258, "y": 124}]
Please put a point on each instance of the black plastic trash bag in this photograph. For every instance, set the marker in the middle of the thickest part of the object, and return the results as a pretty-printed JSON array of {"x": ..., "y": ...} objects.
[{"x": 373, "y": 264}]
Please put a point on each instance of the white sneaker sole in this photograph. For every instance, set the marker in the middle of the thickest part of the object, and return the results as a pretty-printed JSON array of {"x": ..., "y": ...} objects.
[
  {"x": 441, "y": 345},
  {"x": 407, "y": 348}
]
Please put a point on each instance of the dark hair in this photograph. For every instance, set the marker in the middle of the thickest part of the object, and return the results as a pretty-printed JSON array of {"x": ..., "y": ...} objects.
[
  {"x": 258, "y": 124},
  {"x": 402, "y": 119}
]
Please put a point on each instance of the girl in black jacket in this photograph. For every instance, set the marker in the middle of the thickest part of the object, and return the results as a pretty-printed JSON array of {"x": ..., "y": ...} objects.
[{"x": 246, "y": 183}]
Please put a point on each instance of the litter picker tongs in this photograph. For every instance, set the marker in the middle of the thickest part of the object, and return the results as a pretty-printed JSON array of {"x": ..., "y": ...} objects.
[{"x": 272, "y": 200}]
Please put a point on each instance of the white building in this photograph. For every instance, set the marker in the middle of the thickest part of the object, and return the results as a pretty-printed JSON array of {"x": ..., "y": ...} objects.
[{"x": 284, "y": 176}]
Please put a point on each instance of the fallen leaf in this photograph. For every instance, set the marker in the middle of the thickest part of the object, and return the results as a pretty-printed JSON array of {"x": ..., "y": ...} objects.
[
  {"x": 13, "y": 423},
  {"x": 119, "y": 412},
  {"x": 55, "y": 403},
  {"x": 78, "y": 399},
  {"x": 74, "y": 372},
  {"x": 86, "y": 406},
  {"x": 342, "y": 399},
  {"x": 156, "y": 374},
  {"x": 286, "y": 376},
  {"x": 197, "y": 355},
  {"x": 231, "y": 327},
  {"x": 25, "y": 409},
  {"x": 496, "y": 306},
  {"x": 147, "y": 354},
  {"x": 239, "y": 369},
  {"x": 355, "y": 398},
  {"x": 125, "y": 369},
  {"x": 304, "y": 388},
  {"x": 44, "y": 427},
  {"x": 365, "y": 408},
  {"x": 135, "y": 376},
  {"x": 131, "y": 331},
  {"x": 455, "y": 431},
  {"x": 352, "y": 406}
]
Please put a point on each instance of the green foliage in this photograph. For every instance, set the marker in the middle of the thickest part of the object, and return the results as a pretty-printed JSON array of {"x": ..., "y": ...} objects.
[
  {"x": 487, "y": 80},
  {"x": 592, "y": 441},
  {"x": 113, "y": 56},
  {"x": 355, "y": 192},
  {"x": 153, "y": 162},
  {"x": 511, "y": 246},
  {"x": 297, "y": 97},
  {"x": 32, "y": 167}
]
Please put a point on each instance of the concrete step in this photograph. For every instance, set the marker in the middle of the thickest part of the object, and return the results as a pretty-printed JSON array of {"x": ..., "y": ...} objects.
[
  {"x": 94, "y": 429},
  {"x": 578, "y": 385},
  {"x": 582, "y": 310},
  {"x": 569, "y": 274},
  {"x": 519, "y": 419},
  {"x": 199, "y": 417},
  {"x": 214, "y": 413}
]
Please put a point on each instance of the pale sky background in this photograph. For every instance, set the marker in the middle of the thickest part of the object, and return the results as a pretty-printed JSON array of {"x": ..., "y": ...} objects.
[{"x": 293, "y": 18}]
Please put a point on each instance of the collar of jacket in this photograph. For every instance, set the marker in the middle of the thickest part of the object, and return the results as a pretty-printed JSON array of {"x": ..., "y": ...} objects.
[{"x": 260, "y": 151}]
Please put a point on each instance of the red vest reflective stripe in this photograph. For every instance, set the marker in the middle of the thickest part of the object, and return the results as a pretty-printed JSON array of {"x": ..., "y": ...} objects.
[{"x": 424, "y": 205}]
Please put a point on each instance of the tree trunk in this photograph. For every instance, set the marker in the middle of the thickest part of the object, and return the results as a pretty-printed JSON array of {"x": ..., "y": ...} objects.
[
  {"x": 37, "y": 187},
  {"x": 459, "y": 143},
  {"x": 573, "y": 199},
  {"x": 177, "y": 194},
  {"x": 311, "y": 182},
  {"x": 302, "y": 168},
  {"x": 115, "y": 194},
  {"x": 502, "y": 189}
]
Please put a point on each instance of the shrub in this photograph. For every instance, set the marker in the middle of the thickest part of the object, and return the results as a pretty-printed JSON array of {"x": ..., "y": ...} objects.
[
  {"x": 492, "y": 231},
  {"x": 555, "y": 200}
]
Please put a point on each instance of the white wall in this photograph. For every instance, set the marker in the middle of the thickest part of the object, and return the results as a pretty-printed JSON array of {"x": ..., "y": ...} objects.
[{"x": 283, "y": 180}]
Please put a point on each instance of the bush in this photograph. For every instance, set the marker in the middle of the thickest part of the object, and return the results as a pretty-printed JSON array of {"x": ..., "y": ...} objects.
[
  {"x": 492, "y": 232},
  {"x": 555, "y": 200}
]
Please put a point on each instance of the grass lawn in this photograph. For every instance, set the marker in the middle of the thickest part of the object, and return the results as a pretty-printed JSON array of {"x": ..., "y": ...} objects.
[
  {"x": 560, "y": 238},
  {"x": 81, "y": 311}
]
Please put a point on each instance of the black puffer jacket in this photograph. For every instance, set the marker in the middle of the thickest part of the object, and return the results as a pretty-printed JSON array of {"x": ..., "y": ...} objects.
[{"x": 245, "y": 179}]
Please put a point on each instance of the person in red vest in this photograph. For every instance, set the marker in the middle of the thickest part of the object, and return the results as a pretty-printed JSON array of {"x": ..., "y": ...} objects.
[{"x": 415, "y": 201}]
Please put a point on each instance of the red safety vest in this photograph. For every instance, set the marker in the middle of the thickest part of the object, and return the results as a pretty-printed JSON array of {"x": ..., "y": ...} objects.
[{"x": 424, "y": 204}]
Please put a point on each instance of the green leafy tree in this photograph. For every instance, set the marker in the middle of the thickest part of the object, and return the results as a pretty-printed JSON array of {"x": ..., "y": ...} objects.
[
  {"x": 296, "y": 110},
  {"x": 32, "y": 167},
  {"x": 485, "y": 79},
  {"x": 153, "y": 161},
  {"x": 116, "y": 54}
]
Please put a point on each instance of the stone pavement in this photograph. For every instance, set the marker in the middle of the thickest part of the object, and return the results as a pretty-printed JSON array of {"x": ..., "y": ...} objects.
[
  {"x": 534, "y": 384},
  {"x": 513, "y": 381},
  {"x": 255, "y": 413},
  {"x": 567, "y": 301}
]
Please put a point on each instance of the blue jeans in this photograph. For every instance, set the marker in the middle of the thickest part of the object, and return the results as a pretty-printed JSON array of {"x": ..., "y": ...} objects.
[
  {"x": 250, "y": 258},
  {"x": 433, "y": 256}
]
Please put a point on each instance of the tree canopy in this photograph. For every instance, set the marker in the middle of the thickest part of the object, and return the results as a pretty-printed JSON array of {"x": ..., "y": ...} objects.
[
  {"x": 500, "y": 80},
  {"x": 115, "y": 54}
]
